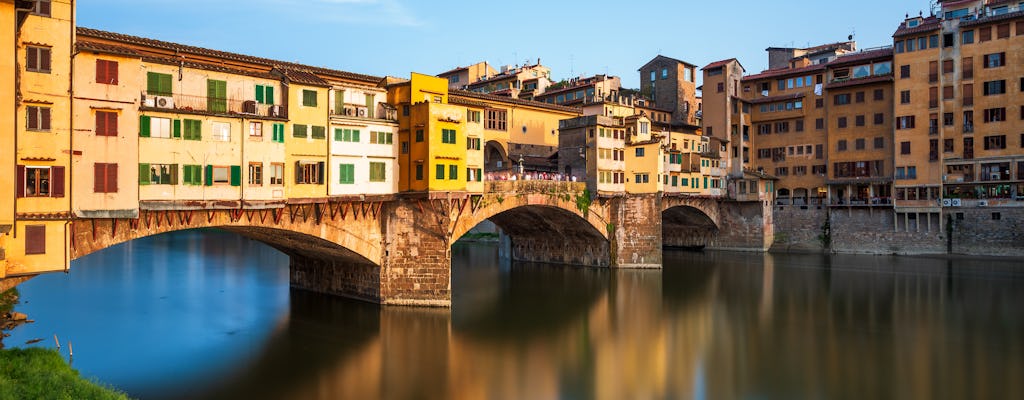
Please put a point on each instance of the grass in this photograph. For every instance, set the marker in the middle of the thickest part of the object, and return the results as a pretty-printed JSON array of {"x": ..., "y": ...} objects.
[{"x": 37, "y": 373}]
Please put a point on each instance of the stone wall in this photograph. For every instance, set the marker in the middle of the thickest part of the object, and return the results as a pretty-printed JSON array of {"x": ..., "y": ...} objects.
[
  {"x": 338, "y": 277},
  {"x": 545, "y": 249},
  {"x": 874, "y": 231},
  {"x": 417, "y": 259},
  {"x": 978, "y": 231},
  {"x": 798, "y": 228},
  {"x": 637, "y": 224},
  {"x": 745, "y": 226}
]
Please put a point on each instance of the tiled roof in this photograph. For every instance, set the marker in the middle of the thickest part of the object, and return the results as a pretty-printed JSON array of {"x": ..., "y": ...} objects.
[
  {"x": 302, "y": 77},
  {"x": 105, "y": 48},
  {"x": 860, "y": 81},
  {"x": 784, "y": 71},
  {"x": 181, "y": 48},
  {"x": 851, "y": 58},
  {"x": 503, "y": 99},
  {"x": 721, "y": 63},
  {"x": 204, "y": 66},
  {"x": 667, "y": 58},
  {"x": 992, "y": 19},
  {"x": 453, "y": 71},
  {"x": 770, "y": 99},
  {"x": 455, "y": 99},
  {"x": 927, "y": 25}
]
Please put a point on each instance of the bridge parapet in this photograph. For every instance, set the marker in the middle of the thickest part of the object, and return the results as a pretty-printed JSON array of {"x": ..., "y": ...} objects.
[{"x": 535, "y": 187}]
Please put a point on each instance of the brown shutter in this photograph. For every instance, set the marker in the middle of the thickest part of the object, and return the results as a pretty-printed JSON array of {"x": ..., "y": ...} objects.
[
  {"x": 20, "y": 189},
  {"x": 57, "y": 181},
  {"x": 111, "y": 178},
  {"x": 35, "y": 239},
  {"x": 32, "y": 114},
  {"x": 101, "y": 71},
  {"x": 44, "y": 118},
  {"x": 44, "y": 59},
  {"x": 112, "y": 124},
  {"x": 101, "y": 123},
  {"x": 112, "y": 72},
  {"x": 99, "y": 174},
  {"x": 31, "y": 58}
]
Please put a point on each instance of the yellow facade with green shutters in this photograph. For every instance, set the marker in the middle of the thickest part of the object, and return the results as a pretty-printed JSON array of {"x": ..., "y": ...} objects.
[{"x": 306, "y": 142}]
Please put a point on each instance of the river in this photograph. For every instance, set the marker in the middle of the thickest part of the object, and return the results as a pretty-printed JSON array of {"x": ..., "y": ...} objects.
[{"x": 208, "y": 314}]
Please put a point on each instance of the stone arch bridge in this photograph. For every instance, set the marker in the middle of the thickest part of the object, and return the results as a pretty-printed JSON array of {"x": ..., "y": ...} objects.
[{"x": 397, "y": 249}]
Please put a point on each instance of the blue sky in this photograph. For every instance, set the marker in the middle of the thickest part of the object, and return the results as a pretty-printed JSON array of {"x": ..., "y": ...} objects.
[{"x": 394, "y": 37}]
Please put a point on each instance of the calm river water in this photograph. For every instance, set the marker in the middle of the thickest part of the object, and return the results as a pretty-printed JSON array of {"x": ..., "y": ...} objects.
[{"x": 208, "y": 314}]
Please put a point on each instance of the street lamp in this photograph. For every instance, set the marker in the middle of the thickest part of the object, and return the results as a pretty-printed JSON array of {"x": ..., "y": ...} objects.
[{"x": 521, "y": 169}]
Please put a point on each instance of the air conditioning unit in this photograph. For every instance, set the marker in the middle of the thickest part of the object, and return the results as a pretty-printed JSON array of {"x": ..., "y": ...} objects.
[
  {"x": 995, "y": 176},
  {"x": 982, "y": 203},
  {"x": 957, "y": 202},
  {"x": 275, "y": 111},
  {"x": 163, "y": 101},
  {"x": 249, "y": 107},
  {"x": 947, "y": 202},
  {"x": 362, "y": 112},
  {"x": 148, "y": 101},
  {"x": 348, "y": 111}
]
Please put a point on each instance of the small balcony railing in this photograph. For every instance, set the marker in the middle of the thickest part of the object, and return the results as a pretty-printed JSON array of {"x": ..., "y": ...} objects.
[{"x": 181, "y": 102}]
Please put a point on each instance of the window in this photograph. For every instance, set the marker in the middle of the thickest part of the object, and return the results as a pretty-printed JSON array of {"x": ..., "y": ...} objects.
[
  {"x": 256, "y": 130},
  {"x": 995, "y": 60},
  {"x": 905, "y": 97},
  {"x": 841, "y": 145},
  {"x": 764, "y": 129},
  {"x": 947, "y": 145},
  {"x": 906, "y": 122},
  {"x": 194, "y": 129},
  {"x": 158, "y": 84},
  {"x": 377, "y": 172},
  {"x": 782, "y": 171},
  {"x": 381, "y": 137},
  {"x": 106, "y": 123},
  {"x": 278, "y": 134},
  {"x": 985, "y": 34},
  {"x": 35, "y": 238},
  {"x": 41, "y": 8},
  {"x": 841, "y": 122},
  {"x": 309, "y": 172},
  {"x": 192, "y": 175},
  {"x": 859, "y": 144},
  {"x": 995, "y": 87},
  {"x": 721, "y": 87},
  {"x": 453, "y": 172},
  {"x": 904, "y": 71},
  {"x": 473, "y": 116},
  {"x": 308, "y": 98},
  {"x": 318, "y": 132},
  {"x": 967, "y": 37},
  {"x": 879, "y": 143},
  {"x": 106, "y": 72},
  {"x": 276, "y": 174},
  {"x": 947, "y": 93},
  {"x": 904, "y": 147},
  {"x": 347, "y": 135},
  {"x": 104, "y": 178},
  {"x": 448, "y": 136},
  {"x": 219, "y": 131},
  {"x": 405, "y": 110},
  {"x": 264, "y": 94},
  {"x": 898, "y": 47},
  {"x": 664, "y": 73},
  {"x": 419, "y": 172},
  {"x": 299, "y": 131},
  {"x": 419, "y": 135},
  {"x": 1002, "y": 31},
  {"x": 255, "y": 174},
  {"x": 947, "y": 66},
  {"x": 967, "y": 67},
  {"x": 405, "y": 147},
  {"x": 158, "y": 174},
  {"x": 819, "y": 103},
  {"x": 879, "y": 118},
  {"x": 799, "y": 125},
  {"x": 37, "y": 118},
  {"x": 157, "y": 127},
  {"x": 639, "y": 151},
  {"x": 859, "y": 120},
  {"x": 495, "y": 119},
  {"x": 439, "y": 171},
  {"x": 948, "y": 119},
  {"x": 841, "y": 99},
  {"x": 347, "y": 174},
  {"x": 819, "y": 124},
  {"x": 995, "y": 114},
  {"x": 933, "y": 71},
  {"x": 216, "y": 96},
  {"x": 859, "y": 97},
  {"x": 473, "y": 143},
  {"x": 654, "y": 75},
  {"x": 223, "y": 175},
  {"x": 948, "y": 40},
  {"x": 37, "y": 59},
  {"x": 995, "y": 142},
  {"x": 933, "y": 41},
  {"x": 879, "y": 94}
]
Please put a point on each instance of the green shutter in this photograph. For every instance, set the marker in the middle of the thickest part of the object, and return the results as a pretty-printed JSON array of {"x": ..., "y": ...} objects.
[
  {"x": 197, "y": 175},
  {"x": 339, "y": 102},
  {"x": 299, "y": 131},
  {"x": 453, "y": 172},
  {"x": 337, "y": 134},
  {"x": 236, "y": 175},
  {"x": 143, "y": 174},
  {"x": 209, "y": 175},
  {"x": 152, "y": 83},
  {"x": 440, "y": 172},
  {"x": 259, "y": 94},
  {"x": 187, "y": 180},
  {"x": 355, "y": 135},
  {"x": 369, "y": 106},
  {"x": 165, "y": 84},
  {"x": 269, "y": 95},
  {"x": 479, "y": 174},
  {"x": 177, "y": 129},
  {"x": 143, "y": 126},
  {"x": 216, "y": 96}
]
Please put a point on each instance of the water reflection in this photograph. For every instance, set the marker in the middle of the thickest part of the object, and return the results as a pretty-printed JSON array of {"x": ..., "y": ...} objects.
[{"x": 710, "y": 325}]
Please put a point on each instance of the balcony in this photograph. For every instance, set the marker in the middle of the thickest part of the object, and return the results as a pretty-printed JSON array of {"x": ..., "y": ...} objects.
[
  {"x": 383, "y": 111},
  {"x": 207, "y": 105}
]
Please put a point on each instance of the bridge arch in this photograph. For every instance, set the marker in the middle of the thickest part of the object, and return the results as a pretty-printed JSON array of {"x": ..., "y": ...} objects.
[
  {"x": 496, "y": 156},
  {"x": 690, "y": 222}
]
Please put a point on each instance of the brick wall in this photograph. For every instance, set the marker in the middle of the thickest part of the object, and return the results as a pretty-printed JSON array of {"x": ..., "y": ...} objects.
[
  {"x": 872, "y": 231},
  {"x": 745, "y": 226},
  {"x": 417, "y": 260},
  {"x": 339, "y": 277},
  {"x": 980, "y": 233},
  {"x": 798, "y": 229},
  {"x": 637, "y": 239}
]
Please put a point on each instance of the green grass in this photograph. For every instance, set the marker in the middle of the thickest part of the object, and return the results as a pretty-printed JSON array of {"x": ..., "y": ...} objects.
[{"x": 37, "y": 373}]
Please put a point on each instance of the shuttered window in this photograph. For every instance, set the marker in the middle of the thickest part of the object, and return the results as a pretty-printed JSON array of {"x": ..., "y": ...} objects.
[
  {"x": 299, "y": 131},
  {"x": 104, "y": 178},
  {"x": 106, "y": 72},
  {"x": 378, "y": 172},
  {"x": 37, "y": 59},
  {"x": 193, "y": 175},
  {"x": 193, "y": 129},
  {"x": 41, "y": 8},
  {"x": 453, "y": 172},
  {"x": 158, "y": 84},
  {"x": 346, "y": 174},
  {"x": 278, "y": 133},
  {"x": 35, "y": 239},
  {"x": 216, "y": 96},
  {"x": 106, "y": 123},
  {"x": 318, "y": 132},
  {"x": 39, "y": 181},
  {"x": 264, "y": 94},
  {"x": 37, "y": 118},
  {"x": 309, "y": 98}
]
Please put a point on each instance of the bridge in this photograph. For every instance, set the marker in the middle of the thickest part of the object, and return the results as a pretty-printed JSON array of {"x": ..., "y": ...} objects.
[{"x": 397, "y": 249}]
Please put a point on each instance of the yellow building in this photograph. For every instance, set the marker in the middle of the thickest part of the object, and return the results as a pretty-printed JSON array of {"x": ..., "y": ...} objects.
[
  {"x": 432, "y": 135},
  {"x": 43, "y": 140},
  {"x": 644, "y": 168},
  {"x": 7, "y": 119},
  {"x": 306, "y": 141},
  {"x": 106, "y": 115}
]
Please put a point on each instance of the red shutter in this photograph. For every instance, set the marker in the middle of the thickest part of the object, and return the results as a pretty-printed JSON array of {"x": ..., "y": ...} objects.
[
  {"x": 56, "y": 181},
  {"x": 20, "y": 189},
  {"x": 44, "y": 59},
  {"x": 31, "y": 58},
  {"x": 35, "y": 239},
  {"x": 101, "y": 71},
  {"x": 112, "y": 124},
  {"x": 112, "y": 72},
  {"x": 44, "y": 118},
  {"x": 99, "y": 174},
  {"x": 101, "y": 123},
  {"x": 33, "y": 117},
  {"x": 111, "y": 178}
]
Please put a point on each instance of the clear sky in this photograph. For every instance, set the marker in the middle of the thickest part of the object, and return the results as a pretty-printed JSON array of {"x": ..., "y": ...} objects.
[{"x": 573, "y": 38}]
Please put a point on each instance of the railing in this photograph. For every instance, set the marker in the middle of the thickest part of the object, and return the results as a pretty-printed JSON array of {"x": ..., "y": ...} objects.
[
  {"x": 181, "y": 102},
  {"x": 534, "y": 186},
  {"x": 382, "y": 111}
]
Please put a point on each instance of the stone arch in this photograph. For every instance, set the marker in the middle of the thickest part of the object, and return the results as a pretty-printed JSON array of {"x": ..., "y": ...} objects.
[
  {"x": 783, "y": 197},
  {"x": 495, "y": 152},
  {"x": 801, "y": 196},
  {"x": 688, "y": 226}
]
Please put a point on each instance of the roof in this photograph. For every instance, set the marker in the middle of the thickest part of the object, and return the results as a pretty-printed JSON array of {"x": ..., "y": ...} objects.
[
  {"x": 860, "y": 81},
  {"x": 509, "y": 100},
  {"x": 770, "y": 99},
  {"x": 771, "y": 73},
  {"x": 861, "y": 56},
  {"x": 205, "y": 66},
  {"x": 992, "y": 19},
  {"x": 722, "y": 63},
  {"x": 927, "y": 25},
  {"x": 302, "y": 77},
  {"x": 181, "y": 49},
  {"x": 452, "y": 71},
  {"x": 105, "y": 48},
  {"x": 660, "y": 57}
]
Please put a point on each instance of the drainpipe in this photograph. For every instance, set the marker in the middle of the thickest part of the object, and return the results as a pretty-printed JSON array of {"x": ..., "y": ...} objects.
[
  {"x": 71, "y": 142},
  {"x": 241, "y": 185}
]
